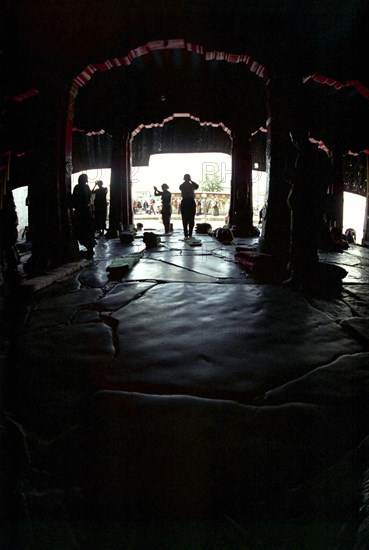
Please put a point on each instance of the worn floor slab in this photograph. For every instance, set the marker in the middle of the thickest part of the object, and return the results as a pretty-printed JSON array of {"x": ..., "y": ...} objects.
[
  {"x": 183, "y": 389},
  {"x": 222, "y": 340}
]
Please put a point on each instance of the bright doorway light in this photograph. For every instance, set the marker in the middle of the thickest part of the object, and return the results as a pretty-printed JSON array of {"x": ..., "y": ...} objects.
[
  {"x": 20, "y": 195},
  {"x": 170, "y": 168},
  {"x": 354, "y": 214},
  {"x": 93, "y": 175}
]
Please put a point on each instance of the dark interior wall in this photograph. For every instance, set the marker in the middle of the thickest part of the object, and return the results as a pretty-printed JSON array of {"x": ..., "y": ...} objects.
[
  {"x": 90, "y": 152},
  {"x": 273, "y": 33},
  {"x": 355, "y": 174},
  {"x": 163, "y": 82},
  {"x": 45, "y": 45},
  {"x": 177, "y": 136}
]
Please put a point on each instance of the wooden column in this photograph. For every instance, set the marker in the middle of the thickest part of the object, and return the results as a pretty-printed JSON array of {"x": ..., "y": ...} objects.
[
  {"x": 53, "y": 243},
  {"x": 338, "y": 187},
  {"x": 365, "y": 239},
  {"x": 72, "y": 247},
  {"x": 120, "y": 211},
  {"x": 232, "y": 196},
  {"x": 241, "y": 185},
  {"x": 128, "y": 179},
  {"x": 280, "y": 154}
]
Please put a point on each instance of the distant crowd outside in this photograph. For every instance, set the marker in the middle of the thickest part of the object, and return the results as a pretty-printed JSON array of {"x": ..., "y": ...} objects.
[
  {"x": 207, "y": 204},
  {"x": 212, "y": 204}
]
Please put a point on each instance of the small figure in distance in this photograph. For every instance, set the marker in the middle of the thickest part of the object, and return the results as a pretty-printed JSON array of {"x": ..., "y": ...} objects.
[
  {"x": 188, "y": 205},
  {"x": 350, "y": 235},
  {"x": 100, "y": 207},
  {"x": 166, "y": 210},
  {"x": 338, "y": 239},
  {"x": 83, "y": 217}
]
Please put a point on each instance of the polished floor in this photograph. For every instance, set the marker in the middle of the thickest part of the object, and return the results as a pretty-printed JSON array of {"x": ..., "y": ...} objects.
[{"x": 183, "y": 404}]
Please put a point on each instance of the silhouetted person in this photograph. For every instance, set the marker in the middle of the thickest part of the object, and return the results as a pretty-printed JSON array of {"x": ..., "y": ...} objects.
[
  {"x": 26, "y": 234},
  {"x": 100, "y": 207},
  {"x": 188, "y": 205},
  {"x": 9, "y": 235},
  {"x": 84, "y": 221},
  {"x": 350, "y": 235},
  {"x": 166, "y": 209},
  {"x": 338, "y": 239},
  {"x": 307, "y": 200}
]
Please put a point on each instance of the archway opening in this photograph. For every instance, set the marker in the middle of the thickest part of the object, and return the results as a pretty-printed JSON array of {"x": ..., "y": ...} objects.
[{"x": 212, "y": 171}]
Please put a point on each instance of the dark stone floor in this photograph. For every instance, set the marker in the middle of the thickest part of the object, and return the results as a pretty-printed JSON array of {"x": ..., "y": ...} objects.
[{"x": 184, "y": 405}]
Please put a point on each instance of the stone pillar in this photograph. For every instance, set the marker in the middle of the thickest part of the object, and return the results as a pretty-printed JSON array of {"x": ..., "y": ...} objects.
[
  {"x": 129, "y": 180},
  {"x": 120, "y": 211},
  {"x": 66, "y": 187},
  {"x": 232, "y": 193},
  {"x": 53, "y": 242},
  {"x": 241, "y": 185},
  {"x": 280, "y": 155},
  {"x": 9, "y": 257},
  {"x": 337, "y": 188},
  {"x": 365, "y": 239}
]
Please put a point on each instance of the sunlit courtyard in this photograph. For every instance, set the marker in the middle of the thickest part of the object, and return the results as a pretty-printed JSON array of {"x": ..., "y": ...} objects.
[{"x": 203, "y": 168}]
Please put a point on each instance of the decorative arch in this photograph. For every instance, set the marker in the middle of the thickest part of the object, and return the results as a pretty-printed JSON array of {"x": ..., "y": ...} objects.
[
  {"x": 84, "y": 76},
  {"x": 181, "y": 115},
  {"x": 164, "y": 45},
  {"x": 180, "y": 44},
  {"x": 204, "y": 140},
  {"x": 144, "y": 50}
]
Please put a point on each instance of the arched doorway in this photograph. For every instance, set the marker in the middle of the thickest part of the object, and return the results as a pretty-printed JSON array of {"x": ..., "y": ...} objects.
[
  {"x": 153, "y": 81},
  {"x": 163, "y": 153}
]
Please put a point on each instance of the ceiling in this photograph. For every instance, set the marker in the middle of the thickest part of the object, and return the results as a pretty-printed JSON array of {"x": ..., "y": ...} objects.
[
  {"x": 164, "y": 82},
  {"x": 47, "y": 44}
]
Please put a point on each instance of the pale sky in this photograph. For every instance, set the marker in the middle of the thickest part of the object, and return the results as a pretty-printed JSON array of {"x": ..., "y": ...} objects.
[{"x": 170, "y": 168}]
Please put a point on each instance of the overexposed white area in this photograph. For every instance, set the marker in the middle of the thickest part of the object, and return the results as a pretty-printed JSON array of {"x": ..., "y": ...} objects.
[
  {"x": 170, "y": 168},
  {"x": 354, "y": 214},
  {"x": 259, "y": 189},
  {"x": 93, "y": 176},
  {"x": 20, "y": 195}
]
